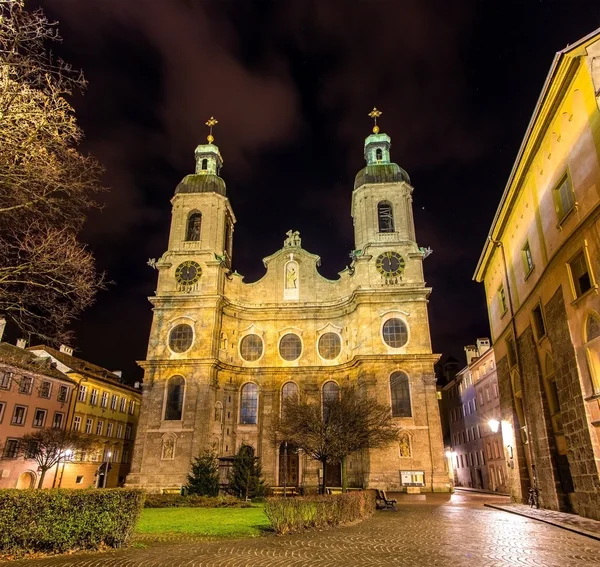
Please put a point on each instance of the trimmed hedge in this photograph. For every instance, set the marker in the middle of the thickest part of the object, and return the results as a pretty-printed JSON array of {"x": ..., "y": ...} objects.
[
  {"x": 193, "y": 501},
  {"x": 57, "y": 520},
  {"x": 289, "y": 515}
]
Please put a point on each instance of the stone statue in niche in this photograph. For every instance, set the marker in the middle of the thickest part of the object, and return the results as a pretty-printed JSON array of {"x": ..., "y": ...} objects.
[
  {"x": 291, "y": 276},
  {"x": 223, "y": 341},
  {"x": 405, "y": 446},
  {"x": 168, "y": 448}
]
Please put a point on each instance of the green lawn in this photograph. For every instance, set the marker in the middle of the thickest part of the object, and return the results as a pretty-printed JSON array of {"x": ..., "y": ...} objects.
[{"x": 221, "y": 522}]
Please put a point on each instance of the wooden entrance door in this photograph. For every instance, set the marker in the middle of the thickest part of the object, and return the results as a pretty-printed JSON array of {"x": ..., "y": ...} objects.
[{"x": 288, "y": 465}]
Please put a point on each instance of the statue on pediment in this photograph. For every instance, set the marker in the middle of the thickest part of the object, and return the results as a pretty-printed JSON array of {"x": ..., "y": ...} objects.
[{"x": 293, "y": 239}]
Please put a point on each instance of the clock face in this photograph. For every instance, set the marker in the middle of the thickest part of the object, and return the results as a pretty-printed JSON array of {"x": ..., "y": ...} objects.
[
  {"x": 390, "y": 264},
  {"x": 188, "y": 272}
]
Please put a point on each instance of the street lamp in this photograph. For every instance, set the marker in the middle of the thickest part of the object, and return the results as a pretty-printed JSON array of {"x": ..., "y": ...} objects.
[
  {"x": 106, "y": 465},
  {"x": 65, "y": 456},
  {"x": 494, "y": 425}
]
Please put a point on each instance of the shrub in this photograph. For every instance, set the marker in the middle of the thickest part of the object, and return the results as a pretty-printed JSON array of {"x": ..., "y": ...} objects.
[
  {"x": 204, "y": 476},
  {"x": 295, "y": 514},
  {"x": 193, "y": 501},
  {"x": 245, "y": 477},
  {"x": 55, "y": 521}
]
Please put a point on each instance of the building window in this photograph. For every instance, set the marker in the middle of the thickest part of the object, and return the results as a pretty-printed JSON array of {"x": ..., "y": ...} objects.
[
  {"x": 174, "y": 401},
  {"x": 511, "y": 352},
  {"x": 538, "y": 322},
  {"x": 128, "y": 431},
  {"x": 82, "y": 394},
  {"x": 114, "y": 401},
  {"x": 580, "y": 275},
  {"x": 125, "y": 456},
  {"x": 249, "y": 403},
  {"x": 79, "y": 479},
  {"x": 58, "y": 420},
  {"x": 123, "y": 405},
  {"x": 330, "y": 394},
  {"x": 11, "y": 449},
  {"x": 2, "y": 408},
  {"x": 395, "y": 333},
  {"x": 385, "y": 216},
  {"x": 104, "y": 402},
  {"x": 502, "y": 299},
  {"x": 94, "y": 397},
  {"x": 109, "y": 429},
  {"x": 45, "y": 389},
  {"x": 592, "y": 349},
  {"x": 527, "y": 258},
  {"x": 290, "y": 346},
  {"x": 25, "y": 385},
  {"x": 251, "y": 348},
  {"x": 552, "y": 394},
  {"x": 131, "y": 407},
  {"x": 88, "y": 425},
  {"x": 19, "y": 414},
  {"x": 564, "y": 198},
  {"x": 495, "y": 387},
  {"x": 119, "y": 430},
  {"x": 378, "y": 154},
  {"x": 289, "y": 392},
  {"x": 330, "y": 345},
  {"x": 99, "y": 427},
  {"x": 180, "y": 338},
  {"x": 204, "y": 164},
  {"x": 194, "y": 226},
  {"x": 63, "y": 393},
  {"x": 76, "y": 422},
  {"x": 400, "y": 393},
  {"x": 39, "y": 418},
  {"x": 5, "y": 380}
]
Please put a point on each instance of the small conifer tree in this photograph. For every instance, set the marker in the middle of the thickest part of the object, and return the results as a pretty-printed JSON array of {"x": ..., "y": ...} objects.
[
  {"x": 245, "y": 477},
  {"x": 204, "y": 476}
]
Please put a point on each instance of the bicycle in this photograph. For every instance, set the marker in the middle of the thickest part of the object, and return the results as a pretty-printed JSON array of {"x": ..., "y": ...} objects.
[{"x": 534, "y": 497}]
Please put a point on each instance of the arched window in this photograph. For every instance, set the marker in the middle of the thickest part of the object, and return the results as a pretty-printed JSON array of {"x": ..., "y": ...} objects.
[
  {"x": 400, "y": 391},
  {"x": 194, "y": 225},
  {"x": 385, "y": 214},
  {"x": 288, "y": 392},
  {"x": 592, "y": 350},
  {"x": 249, "y": 403},
  {"x": 378, "y": 154},
  {"x": 331, "y": 393},
  {"x": 204, "y": 163},
  {"x": 174, "y": 402},
  {"x": 219, "y": 412}
]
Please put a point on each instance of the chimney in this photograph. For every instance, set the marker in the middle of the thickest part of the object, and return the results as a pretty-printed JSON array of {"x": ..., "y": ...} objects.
[
  {"x": 66, "y": 349},
  {"x": 2, "y": 327},
  {"x": 483, "y": 345},
  {"x": 471, "y": 353},
  {"x": 21, "y": 343}
]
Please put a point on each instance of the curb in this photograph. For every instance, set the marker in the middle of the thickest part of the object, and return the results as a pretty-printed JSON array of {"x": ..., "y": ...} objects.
[
  {"x": 549, "y": 522},
  {"x": 477, "y": 491}
]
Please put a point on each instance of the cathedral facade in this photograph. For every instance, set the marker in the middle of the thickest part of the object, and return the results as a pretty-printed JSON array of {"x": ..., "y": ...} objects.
[{"x": 223, "y": 354}]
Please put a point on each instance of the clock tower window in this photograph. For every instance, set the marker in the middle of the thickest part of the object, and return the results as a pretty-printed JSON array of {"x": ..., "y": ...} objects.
[
  {"x": 385, "y": 215},
  {"x": 204, "y": 163},
  {"x": 194, "y": 226}
]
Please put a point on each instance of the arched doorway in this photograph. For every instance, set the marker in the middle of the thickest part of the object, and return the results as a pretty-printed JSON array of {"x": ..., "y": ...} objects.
[
  {"x": 288, "y": 465},
  {"x": 333, "y": 474},
  {"x": 26, "y": 480}
]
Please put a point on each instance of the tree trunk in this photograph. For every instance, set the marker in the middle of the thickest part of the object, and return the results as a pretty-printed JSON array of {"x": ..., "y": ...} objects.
[
  {"x": 324, "y": 473},
  {"x": 41, "y": 481},
  {"x": 344, "y": 478}
]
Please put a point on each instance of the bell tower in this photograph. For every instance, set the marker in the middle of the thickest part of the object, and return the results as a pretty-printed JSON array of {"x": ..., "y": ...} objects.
[{"x": 382, "y": 198}]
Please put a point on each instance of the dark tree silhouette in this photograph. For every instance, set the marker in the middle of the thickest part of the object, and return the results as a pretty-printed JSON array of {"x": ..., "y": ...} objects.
[{"x": 204, "y": 476}]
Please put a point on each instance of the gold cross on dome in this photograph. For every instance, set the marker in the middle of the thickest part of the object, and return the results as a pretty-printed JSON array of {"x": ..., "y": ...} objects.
[
  {"x": 210, "y": 123},
  {"x": 375, "y": 114}
]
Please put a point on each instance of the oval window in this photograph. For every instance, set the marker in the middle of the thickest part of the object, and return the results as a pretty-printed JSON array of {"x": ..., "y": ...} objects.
[
  {"x": 251, "y": 348},
  {"x": 290, "y": 347},
  {"x": 180, "y": 338},
  {"x": 395, "y": 333},
  {"x": 330, "y": 345}
]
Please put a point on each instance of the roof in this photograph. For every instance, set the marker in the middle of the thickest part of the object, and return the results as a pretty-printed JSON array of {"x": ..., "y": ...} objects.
[
  {"x": 201, "y": 183},
  {"x": 29, "y": 361},
  {"x": 510, "y": 191},
  {"x": 83, "y": 367},
  {"x": 380, "y": 173}
]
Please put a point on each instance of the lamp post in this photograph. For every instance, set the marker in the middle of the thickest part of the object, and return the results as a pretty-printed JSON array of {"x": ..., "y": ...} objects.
[
  {"x": 65, "y": 456},
  {"x": 494, "y": 425},
  {"x": 106, "y": 464}
]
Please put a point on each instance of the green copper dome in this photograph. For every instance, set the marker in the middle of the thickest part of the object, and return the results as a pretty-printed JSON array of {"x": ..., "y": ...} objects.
[
  {"x": 201, "y": 183},
  {"x": 381, "y": 173}
]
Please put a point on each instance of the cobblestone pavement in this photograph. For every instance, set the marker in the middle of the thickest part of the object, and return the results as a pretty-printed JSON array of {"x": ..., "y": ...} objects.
[
  {"x": 567, "y": 521},
  {"x": 458, "y": 531}
]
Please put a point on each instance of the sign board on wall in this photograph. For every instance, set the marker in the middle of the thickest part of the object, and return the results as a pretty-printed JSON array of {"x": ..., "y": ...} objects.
[{"x": 412, "y": 478}]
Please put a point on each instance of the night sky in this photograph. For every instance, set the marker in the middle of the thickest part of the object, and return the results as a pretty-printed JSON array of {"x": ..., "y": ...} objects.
[{"x": 291, "y": 83}]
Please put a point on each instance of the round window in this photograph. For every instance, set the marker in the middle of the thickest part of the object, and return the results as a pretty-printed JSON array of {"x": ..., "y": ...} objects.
[
  {"x": 290, "y": 347},
  {"x": 251, "y": 348},
  {"x": 395, "y": 333},
  {"x": 180, "y": 338},
  {"x": 330, "y": 345}
]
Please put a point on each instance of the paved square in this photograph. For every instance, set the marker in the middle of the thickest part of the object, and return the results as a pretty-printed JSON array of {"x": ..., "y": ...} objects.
[{"x": 457, "y": 531}]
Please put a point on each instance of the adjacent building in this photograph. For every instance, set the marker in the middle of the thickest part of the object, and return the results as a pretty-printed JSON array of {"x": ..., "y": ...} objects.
[
  {"x": 104, "y": 408},
  {"x": 223, "y": 353},
  {"x": 540, "y": 267},
  {"x": 34, "y": 394}
]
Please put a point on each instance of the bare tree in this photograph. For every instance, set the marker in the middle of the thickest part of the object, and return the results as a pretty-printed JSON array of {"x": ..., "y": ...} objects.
[
  {"x": 49, "y": 446},
  {"x": 46, "y": 186},
  {"x": 329, "y": 432}
]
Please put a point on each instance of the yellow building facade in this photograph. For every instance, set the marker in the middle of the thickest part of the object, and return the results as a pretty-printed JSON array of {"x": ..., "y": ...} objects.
[
  {"x": 540, "y": 267},
  {"x": 106, "y": 410},
  {"x": 224, "y": 353}
]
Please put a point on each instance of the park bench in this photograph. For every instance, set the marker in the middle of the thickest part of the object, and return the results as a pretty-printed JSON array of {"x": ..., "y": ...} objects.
[
  {"x": 289, "y": 491},
  {"x": 382, "y": 501}
]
